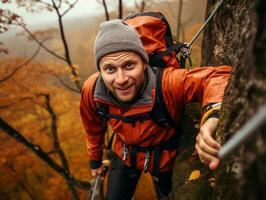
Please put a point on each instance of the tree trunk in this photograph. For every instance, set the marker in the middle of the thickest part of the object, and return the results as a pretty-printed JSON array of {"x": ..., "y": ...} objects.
[
  {"x": 237, "y": 37},
  {"x": 120, "y": 9},
  {"x": 179, "y": 14}
]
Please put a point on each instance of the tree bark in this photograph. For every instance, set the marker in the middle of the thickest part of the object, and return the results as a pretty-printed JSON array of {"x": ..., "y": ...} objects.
[{"x": 237, "y": 36}]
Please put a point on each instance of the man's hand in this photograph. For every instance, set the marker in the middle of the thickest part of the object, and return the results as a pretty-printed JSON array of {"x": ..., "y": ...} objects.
[
  {"x": 96, "y": 172},
  {"x": 206, "y": 146}
]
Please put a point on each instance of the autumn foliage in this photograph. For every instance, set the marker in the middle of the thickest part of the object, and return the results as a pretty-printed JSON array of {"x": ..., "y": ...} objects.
[{"x": 39, "y": 96}]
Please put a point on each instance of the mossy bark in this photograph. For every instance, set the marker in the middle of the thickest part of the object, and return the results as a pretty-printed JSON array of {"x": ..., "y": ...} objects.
[
  {"x": 187, "y": 161},
  {"x": 236, "y": 36}
]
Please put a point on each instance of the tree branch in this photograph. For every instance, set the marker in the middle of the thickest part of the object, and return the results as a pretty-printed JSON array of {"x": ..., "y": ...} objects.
[
  {"x": 59, "y": 5},
  {"x": 64, "y": 84},
  {"x": 66, "y": 48},
  {"x": 42, "y": 45},
  {"x": 56, "y": 143},
  {"x": 44, "y": 3},
  {"x": 23, "y": 64},
  {"x": 13, "y": 103},
  {"x": 179, "y": 15},
  {"x": 23, "y": 186},
  {"x": 37, "y": 150},
  {"x": 140, "y": 7},
  {"x": 105, "y": 10},
  {"x": 120, "y": 9},
  {"x": 70, "y": 7}
]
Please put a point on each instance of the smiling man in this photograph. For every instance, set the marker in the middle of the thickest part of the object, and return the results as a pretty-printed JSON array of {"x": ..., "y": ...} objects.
[{"x": 124, "y": 94}]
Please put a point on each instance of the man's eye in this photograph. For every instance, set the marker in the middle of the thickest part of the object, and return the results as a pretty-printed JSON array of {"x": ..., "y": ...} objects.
[
  {"x": 109, "y": 70},
  {"x": 130, "y": 65}
]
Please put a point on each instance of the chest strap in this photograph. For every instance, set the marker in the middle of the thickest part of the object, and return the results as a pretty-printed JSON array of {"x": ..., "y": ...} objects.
[{"x": 104, "y": 111}]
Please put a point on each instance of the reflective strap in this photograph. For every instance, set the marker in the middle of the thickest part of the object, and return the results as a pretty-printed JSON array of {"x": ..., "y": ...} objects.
[{"x": 209, "y": 112}]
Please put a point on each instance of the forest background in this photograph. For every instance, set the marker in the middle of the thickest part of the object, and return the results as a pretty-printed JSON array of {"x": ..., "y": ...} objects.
[{"x": 41, "y": 73}]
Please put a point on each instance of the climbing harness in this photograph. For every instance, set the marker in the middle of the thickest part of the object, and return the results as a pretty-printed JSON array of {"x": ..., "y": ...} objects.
[
  {"x": 186, "y": 49},
  {"x": 242, "y": 134}
]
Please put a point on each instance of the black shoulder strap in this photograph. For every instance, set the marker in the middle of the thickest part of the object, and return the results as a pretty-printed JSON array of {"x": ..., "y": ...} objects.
[{"x": 159, "y": 113}]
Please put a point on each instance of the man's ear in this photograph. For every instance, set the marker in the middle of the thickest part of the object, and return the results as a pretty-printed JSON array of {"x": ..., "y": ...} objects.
[{"x": 145, "y": 65}]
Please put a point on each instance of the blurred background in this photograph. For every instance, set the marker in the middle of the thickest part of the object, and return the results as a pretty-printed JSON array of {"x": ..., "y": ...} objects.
[{"x": 46, "y": 53}]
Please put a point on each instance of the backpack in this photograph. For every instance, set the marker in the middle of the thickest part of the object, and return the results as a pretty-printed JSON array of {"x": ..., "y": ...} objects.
[{"x": 156, "y": 36}]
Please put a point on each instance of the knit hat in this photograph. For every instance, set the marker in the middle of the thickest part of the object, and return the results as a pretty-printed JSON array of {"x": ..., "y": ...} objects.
[{"x": 117, "y": 35}]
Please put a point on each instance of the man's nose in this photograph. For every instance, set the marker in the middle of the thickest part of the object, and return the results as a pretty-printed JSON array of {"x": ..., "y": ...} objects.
[{"x": 121, "y": 77}]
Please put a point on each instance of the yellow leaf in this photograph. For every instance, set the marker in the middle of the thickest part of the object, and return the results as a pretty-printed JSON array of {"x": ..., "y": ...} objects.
[{"x": 194, "y": 175}]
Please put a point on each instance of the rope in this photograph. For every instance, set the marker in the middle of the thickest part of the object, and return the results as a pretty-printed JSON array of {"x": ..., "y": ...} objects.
[
  {"x": 242, "y": 134},
  {"x": 205, "y": 23},
  {"x": 186, "y": 50}
]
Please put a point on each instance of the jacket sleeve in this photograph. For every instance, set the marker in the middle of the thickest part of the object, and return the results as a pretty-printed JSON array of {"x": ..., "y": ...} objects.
[
  {"x": 94, "y": 125},
  {"x": 205, "y": 85}
]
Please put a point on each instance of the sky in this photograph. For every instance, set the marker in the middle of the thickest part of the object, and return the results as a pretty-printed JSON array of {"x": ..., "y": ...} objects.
[{"x": 82, "y": 8}]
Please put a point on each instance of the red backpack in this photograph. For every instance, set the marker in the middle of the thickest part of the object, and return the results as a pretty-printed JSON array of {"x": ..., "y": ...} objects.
[{"x": 156, "y": 36}]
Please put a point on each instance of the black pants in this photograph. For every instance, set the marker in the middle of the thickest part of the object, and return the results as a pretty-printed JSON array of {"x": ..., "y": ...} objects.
[{"x": 122, "y": 181}]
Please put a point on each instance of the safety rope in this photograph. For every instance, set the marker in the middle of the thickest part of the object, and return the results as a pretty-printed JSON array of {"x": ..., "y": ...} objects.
[
  {"x": 245, "y": 132},
  {"x": 186, "y": 50}
]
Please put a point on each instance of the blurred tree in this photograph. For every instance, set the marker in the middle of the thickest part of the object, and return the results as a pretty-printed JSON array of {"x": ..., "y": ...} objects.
[
  {"x": 28, "y": 99},
  {"x": 179, "y": 15},
  {"x": 61, "y": 8},
  {"x": 140, "y": 6},
  {"x": 120, "y": 9}
]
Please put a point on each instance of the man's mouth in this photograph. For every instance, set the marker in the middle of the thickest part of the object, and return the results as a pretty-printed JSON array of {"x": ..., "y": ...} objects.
[{"x": 124, "y": 89}]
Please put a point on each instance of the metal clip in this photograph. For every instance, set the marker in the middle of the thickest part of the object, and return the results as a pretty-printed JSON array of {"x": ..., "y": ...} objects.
[
  {"x": 147, "y": 161},
  {"x": 186, "y": 50},
  {"x": 124, "y": 152}
]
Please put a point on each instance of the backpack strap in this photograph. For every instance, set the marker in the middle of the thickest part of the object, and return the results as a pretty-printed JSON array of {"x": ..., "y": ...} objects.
[
  {"x": 159, "y": 113},
  {"x": 103, "y": 110},
  {"x": 156, "y": 59}
]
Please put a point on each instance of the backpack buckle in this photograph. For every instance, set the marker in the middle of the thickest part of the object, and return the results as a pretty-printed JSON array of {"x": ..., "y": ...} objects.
[
  {"x": 147, "y": 161},
  {"x": 124, "y": 151},
  {"x": 186, "y": 50}
]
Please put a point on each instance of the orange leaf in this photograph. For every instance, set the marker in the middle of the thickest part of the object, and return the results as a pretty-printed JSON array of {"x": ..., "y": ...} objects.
[{"x": 194, "y": 175}]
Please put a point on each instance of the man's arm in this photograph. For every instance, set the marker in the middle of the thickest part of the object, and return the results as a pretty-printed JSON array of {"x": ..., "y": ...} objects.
[
  {"x": 94, "y": 126},
  {"x": 205, "y": 85}
]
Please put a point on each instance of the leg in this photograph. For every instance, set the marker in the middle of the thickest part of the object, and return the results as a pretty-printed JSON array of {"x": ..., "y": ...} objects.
[
  {"x": 122, "y": 181},
  {"x": 163, "y": 185}
]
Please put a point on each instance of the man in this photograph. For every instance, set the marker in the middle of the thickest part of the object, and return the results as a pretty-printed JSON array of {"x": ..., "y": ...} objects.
[{"x": 125, "y": 86}]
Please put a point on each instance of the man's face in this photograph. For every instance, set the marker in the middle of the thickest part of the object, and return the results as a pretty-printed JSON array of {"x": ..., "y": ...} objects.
[{"x": 123, "y": 74}]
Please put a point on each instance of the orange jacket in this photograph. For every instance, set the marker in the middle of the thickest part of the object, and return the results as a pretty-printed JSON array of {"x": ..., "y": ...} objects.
[{"x": 179, "y": 87}]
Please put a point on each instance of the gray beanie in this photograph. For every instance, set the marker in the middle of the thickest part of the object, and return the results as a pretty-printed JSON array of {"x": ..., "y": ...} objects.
[{"x": 115, "y": 36}]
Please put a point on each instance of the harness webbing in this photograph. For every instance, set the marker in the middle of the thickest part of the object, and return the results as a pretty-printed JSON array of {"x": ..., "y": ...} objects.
[{"x": 170, "y": 144}]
